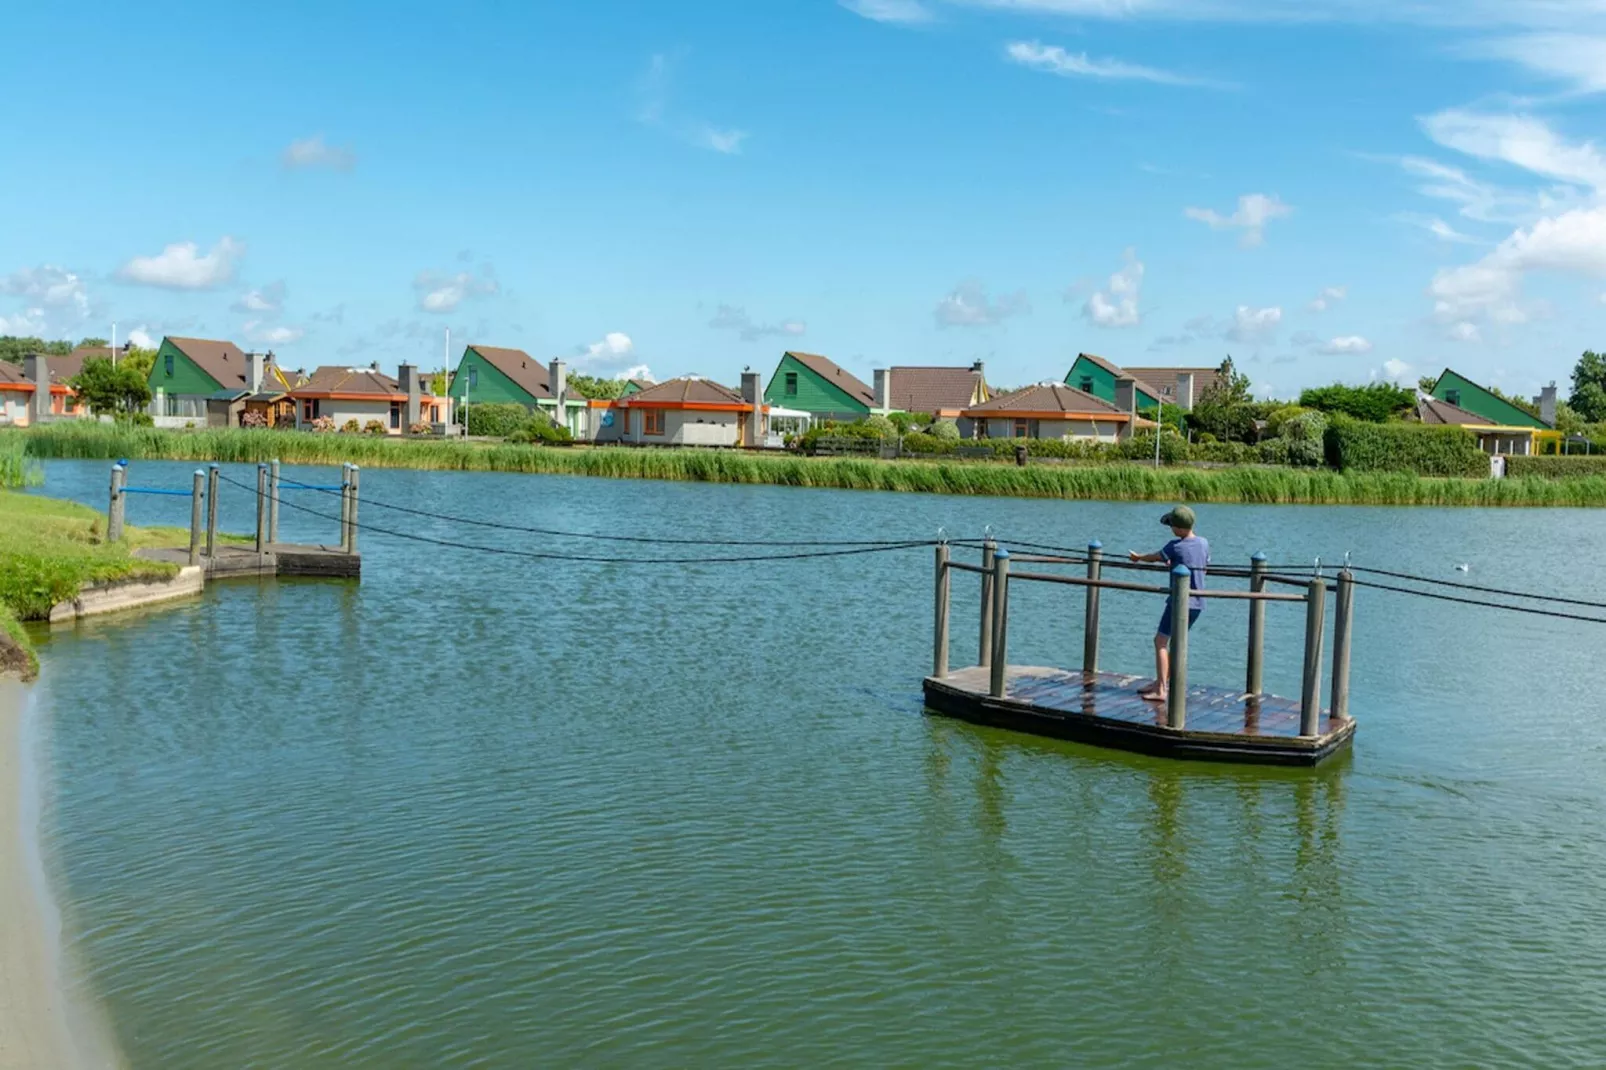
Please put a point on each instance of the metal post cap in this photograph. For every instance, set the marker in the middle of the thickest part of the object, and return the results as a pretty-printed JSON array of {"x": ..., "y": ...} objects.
[
  {"x": 1260, "y": 555},
  {"x": 1000, "y": 552},
  {"x": 1181, "y": 570},
  {"x": 1095, "y": 545}
]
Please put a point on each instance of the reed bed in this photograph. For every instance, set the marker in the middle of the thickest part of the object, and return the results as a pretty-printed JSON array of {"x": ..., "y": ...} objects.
[
  {"x": 16, "y": 468},
  {"x": 1106, "y": 482}
]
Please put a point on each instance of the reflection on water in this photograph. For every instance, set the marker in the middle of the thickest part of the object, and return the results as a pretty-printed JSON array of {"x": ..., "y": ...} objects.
[{"x": 473, "y": 812}]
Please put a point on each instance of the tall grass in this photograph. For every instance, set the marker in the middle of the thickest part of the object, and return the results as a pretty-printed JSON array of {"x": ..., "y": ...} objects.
[
  {"x": 16, "y": 469},
  {"x": 1110, "y": 482}
]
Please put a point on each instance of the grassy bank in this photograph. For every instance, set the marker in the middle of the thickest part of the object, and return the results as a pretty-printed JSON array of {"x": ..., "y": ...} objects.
[{"x": 1110, "y": 482}]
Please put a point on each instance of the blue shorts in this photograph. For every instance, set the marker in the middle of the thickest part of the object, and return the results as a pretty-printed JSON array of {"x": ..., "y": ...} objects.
[{"x": 1165, "y": 620}]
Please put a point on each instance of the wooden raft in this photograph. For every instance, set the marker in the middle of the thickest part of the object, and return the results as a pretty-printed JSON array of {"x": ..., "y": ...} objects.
[{"x": 1104, "y": 709}]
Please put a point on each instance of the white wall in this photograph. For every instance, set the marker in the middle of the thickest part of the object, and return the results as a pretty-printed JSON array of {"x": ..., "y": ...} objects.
[
  {"x": 341, "y": 410},
  {"x": 1088, "y": 430}
]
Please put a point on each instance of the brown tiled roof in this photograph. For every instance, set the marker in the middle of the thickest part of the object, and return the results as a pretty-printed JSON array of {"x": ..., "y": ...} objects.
[
  {"x": 68, "y": 367},
  {"x": 931, "y": 389},
  {"x": 1046, "y": 397},
  {"x": 683, "y": 391},
  {"x": 529, "y": 373},
  {"x": 1118, "y": 371},
  {"x": 223, "y": 361},
  {"x": 1164, "y": 380},
  {"x": 11, "y": 374},
  {"x": 1434, "y": 411},
  {"x": 331, "y": 379},
  {"x": 831, "y": 372}
]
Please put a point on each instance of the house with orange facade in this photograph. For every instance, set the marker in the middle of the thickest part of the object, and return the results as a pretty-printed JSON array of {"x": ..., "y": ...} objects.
[
  {"x": 366, "y": 396},
  {"x": 688, "y": 411},
  {"x": 36, "y": 390},
  {"x": 1059, "y": 411}
]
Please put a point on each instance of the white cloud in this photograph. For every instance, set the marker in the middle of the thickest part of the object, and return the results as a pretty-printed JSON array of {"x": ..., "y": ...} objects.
[
  {"x": 1464, "y": 332},
  {"x": 1491, "y": 288},
  {"x": 1330, "y": 296},
  {"x": 1568, "y": 57},
  {"x": 443, "y": 293},
  {"x": 1436, "y": 227},
  {"x": 1475, "y": 199},
  {"x": 50, "y": 287},
  {"x": 735, "y": 318},
  {"x": 1520, "y": 140},
  {"x": 142, "y": 338},
  {"x": 902, "y": 12},
  {"x": 1576, "y": 16},
  {"x": 266, "y": 300},
  {"x": 1398, "y": 371},
  {"x": 726, "y": 141},
  {"x": 29, "y": 323},
  {"x": 1252, "y": 326},
  {"x": 314, "y": 152},
  {"x": 1254, "y": 212},
  {"x": 1053, "y": 59},
  {"x": 1345, "y": 346},
  {"x": 1117, "y": 305},
  {"x": 967, "y": 305},
  {"x": 613, "y": 356},
  {"x": 271, "y": 334},
  {"x": 653, "y": 109},
  {"x": 182, "y": 266}
]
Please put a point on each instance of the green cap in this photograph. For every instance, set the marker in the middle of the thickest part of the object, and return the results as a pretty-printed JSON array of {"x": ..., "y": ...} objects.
[{"x": 1180, "y": 517}]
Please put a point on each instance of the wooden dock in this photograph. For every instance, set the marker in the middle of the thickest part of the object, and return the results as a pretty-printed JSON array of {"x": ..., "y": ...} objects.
[
  {"x": 1104, "y": 709},
  {"x": 276, "y": 559}
]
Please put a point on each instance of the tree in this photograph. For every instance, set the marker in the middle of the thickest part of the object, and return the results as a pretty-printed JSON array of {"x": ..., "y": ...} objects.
[
  {"x": 14, "y": 348},
  {"x": 140, "y": 360},
  {"x": 1525, "y": 404},
  {"x": 1427, "y": 383},
  {"x": 591, "y": 386},
  {"x": 85, "y": 343},
  {"x": 1225, "y": 409},
  {"x": 1589, "y": 387},
  {"x": 109, "y": 388},
  {"x": 1375, "y": 403}
]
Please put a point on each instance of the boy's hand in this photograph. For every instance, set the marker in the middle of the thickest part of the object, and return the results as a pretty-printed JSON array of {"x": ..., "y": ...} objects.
[{"x": 1133, "y": 555}]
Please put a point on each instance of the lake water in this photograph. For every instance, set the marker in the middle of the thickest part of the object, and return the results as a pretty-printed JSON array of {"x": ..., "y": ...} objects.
[{"x": 488, "y": 811}]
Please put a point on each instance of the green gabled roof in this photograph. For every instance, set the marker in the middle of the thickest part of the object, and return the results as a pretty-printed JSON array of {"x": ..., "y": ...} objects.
[{"x": 1477, "y": 399}]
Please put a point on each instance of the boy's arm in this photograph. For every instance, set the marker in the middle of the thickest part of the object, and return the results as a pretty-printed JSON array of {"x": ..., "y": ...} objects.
[{"x": 1157, "y": 556}]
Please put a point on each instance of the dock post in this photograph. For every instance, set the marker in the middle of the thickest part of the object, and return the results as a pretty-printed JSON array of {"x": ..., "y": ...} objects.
[
  {"x": 211, "y": 512},
  {"x": 939, "y": 638},
  {"x": 1090, "y": 629},
  {"x": 345, "y": 508},
  {"x": 356, "y": 494},
  {"x": 273, "y": 500},
  {"x": 1000, "y": 614},
  {"x": 1343, "y": 626},
  {"x": 1310, "y": 696},
  {"x": 197, "y": 498},
  {"x": 262, "y": 506},
  {"x": 1176, "y": 700},
  {"x": 989, "y": 546},
  {"x": 116, "y": 504},
  {"x": 1254, "y": 684}
]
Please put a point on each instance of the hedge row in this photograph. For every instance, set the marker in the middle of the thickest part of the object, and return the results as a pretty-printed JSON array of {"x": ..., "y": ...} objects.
[
  {"x": 1354, "y": 446},
  {"x": 1557, "y": 467}
]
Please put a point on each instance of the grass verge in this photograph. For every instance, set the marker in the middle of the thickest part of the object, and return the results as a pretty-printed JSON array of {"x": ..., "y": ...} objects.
[{"x": 1108, "y": 482}]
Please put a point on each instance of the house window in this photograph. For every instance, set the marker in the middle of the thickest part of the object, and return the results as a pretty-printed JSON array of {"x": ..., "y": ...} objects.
[
  {"x": 395, "y": 415},
  {"x": 167, "y": 365},
  {"x": 309, "y": 410},
  {"x": 624, "y": 422},
  {"x": 473, "y": 378},
  {"x": 652, "y": 422},
  {"x": 1453, "y": 396},
  {"x": 1087, "y": 384},
  {"x": 1023, "y": 429},
  {"x": 791, "y": 384}
]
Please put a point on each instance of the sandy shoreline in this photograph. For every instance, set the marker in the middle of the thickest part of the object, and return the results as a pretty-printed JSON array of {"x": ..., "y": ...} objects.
[{"x": 34, "y": 1034}]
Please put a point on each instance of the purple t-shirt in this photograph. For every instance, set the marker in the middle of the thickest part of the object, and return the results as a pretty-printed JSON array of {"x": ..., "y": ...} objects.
[{"x": 1193, "y": 551}]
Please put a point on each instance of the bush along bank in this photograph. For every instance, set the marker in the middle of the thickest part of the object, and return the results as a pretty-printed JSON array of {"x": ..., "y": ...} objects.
[
  {"x": 1356, "y": 446},
  {"x": 1564, "y": 467}
]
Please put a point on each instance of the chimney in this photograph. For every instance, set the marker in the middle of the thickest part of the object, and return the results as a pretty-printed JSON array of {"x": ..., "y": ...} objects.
[
  {"x": 978, "y": 391},
  {"x": 1547, "y": 404},
  {"x": 883, "y": 390},
  {"x": 557, "y": 378},
  {"x": 754, "y": 435},
  {"x": 1184, "y": 399},
  {"x": 1126, "y": 394},
  {"x": 373, "y": 365},
  {"x": 36, "y": 369},
  {"x": 407, "y": 382},
  {"x": 253, "y": 372}
]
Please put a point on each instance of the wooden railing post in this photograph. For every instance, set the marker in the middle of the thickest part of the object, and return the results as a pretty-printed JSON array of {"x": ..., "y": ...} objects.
[
  {"x": 116, "y": 504},
  {"x": 1000, "y": 615},
  {"x": 1254, "y": 684},
  {"x": 1176, "y": 702},
  {"x": 197, "y": 500},
  {"x": 262, "y": 506},
  {"x": 1090, "y": 628},
  {"x": 345, "y": 508},
  {"x": 1310, "y": 695},
  {"x": 211, "y": 511},
  {"x": 273, "y": 500},
  {"x": 939, "y": 636},
  {"x": 984, "y": 657},
  {"x": 1343, "y": 632},
  {"x": 356, "y": 494}
]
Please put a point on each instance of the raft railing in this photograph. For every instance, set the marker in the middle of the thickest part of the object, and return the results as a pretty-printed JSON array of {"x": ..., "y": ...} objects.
[{"x": 993, "y": 644}]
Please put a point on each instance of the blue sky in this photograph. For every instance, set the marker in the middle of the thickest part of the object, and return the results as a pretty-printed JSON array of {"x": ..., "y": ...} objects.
[{"x": 1325, "y": 189}]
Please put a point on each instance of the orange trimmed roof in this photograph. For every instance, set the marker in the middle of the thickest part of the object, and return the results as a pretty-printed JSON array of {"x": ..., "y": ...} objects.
[
  {"x": 686, "y": 392},
  {"x": 14, "y": 379},
  {"x": 351, "y": 384},
  {"x": 1049, "y": 401}
]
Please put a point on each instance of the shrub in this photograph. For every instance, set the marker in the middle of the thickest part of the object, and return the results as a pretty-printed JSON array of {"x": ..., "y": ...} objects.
[
  {"x": 1219, "y": 452},
  {"x": 540, "y": 429},
  {"x": 134, "y": 419},
  {"x": 1281, "y": 415},
  {"x": 324, "y": 425},
  {"x": 1357, "y": 446},
  {"x": 922, "y": 442},
  {"x": 1140, "y": 447},
  {"x": 254, "y": 418},
  {"x": 1564, "y": 467},
  {"x": 350, "y": 427},
  {"x": 1305, "y": 435},
  {"x": 497, "y": 420},
  {"x": 905, "y": 422},
  {"x": 421, "y": 429},
  {"x": 882, "y": 426},
  {"x": 944, "y": 429},
  {"x": 374, "y": 427},
  {"x": 1374, "y": 403}
]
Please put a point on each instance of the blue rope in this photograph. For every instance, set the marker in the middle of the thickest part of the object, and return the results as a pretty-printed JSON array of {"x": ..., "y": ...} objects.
[
  {"x": 285, "y": 484},
  {"x": 155, "y": 490}
]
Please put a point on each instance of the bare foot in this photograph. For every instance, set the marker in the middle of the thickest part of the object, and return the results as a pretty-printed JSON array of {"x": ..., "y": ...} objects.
[{"x": 1153, "y": 694}]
